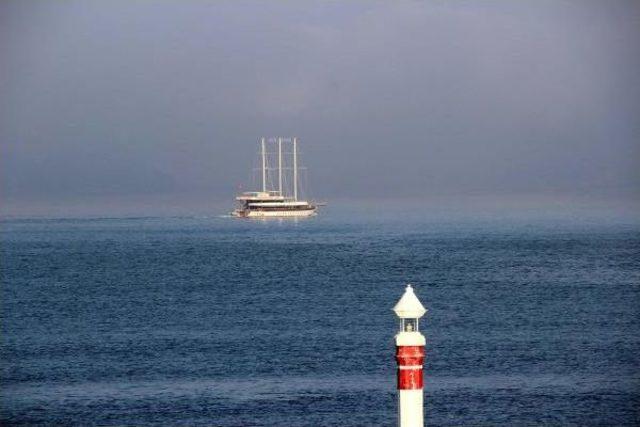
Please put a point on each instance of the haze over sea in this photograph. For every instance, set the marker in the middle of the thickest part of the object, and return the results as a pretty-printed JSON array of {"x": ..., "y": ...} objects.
[{"x": 216, "y": 321}]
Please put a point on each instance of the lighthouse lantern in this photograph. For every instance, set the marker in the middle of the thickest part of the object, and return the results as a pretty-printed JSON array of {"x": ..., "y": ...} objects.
[
  {"x": 409, "y": 310},
  {"x": 409, "y": 325}
]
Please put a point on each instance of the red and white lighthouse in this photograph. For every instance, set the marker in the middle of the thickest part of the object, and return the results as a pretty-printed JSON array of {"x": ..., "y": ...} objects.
[{"x": 410, "y": 356}]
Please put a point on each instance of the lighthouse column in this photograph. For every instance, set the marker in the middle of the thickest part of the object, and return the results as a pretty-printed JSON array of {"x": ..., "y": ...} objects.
[{"x": 410, "y": 345}]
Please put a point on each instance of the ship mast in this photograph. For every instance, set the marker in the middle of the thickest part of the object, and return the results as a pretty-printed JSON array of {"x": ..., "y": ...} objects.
[
  {"x": 295, "y": 169},
  {"x": 264, "y": 167},
  {"x": 280, "y": 166}
]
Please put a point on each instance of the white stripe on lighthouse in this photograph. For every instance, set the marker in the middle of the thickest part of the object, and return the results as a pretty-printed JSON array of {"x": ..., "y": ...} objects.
[{"x": 408, "y": 403}]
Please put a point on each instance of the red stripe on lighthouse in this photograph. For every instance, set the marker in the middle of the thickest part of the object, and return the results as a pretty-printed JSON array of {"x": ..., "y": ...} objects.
[
  {"x": 410, "y": 359},
  {"x": 410, "y": 379}
]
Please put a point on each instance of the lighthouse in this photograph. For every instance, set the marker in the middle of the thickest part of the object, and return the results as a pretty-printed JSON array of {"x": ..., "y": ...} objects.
[{"x": 410, "y": 356}]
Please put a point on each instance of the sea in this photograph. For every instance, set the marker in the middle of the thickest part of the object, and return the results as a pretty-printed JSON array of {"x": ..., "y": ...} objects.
[{"x": 210, "y": 320}]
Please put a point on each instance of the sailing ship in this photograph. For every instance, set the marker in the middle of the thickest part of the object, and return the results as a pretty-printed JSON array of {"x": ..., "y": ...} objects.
[{"x": 275, "y": 202}]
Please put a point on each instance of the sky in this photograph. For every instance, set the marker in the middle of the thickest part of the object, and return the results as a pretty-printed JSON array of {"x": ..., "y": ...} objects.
[{"x": 144, "y": 106}]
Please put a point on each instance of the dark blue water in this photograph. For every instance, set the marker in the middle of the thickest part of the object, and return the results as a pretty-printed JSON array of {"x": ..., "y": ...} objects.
[{"x": 183, "y": 321}]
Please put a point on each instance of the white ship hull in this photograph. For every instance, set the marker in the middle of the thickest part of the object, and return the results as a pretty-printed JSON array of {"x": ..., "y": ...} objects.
[{"x": 274, "y": 214}]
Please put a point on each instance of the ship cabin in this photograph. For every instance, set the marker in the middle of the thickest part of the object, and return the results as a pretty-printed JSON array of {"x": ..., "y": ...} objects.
[{"x": 271, "y": 201}]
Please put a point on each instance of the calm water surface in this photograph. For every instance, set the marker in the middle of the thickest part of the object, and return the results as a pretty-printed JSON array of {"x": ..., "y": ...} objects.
[{"x": 186, "y": 321}]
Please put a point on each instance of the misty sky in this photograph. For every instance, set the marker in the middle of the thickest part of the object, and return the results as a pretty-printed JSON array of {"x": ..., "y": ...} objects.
[{"x": 121, "y": 104}]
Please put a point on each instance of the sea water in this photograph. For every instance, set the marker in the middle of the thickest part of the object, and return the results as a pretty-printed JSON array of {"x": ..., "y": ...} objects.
[{"x": 226, "y": 322}]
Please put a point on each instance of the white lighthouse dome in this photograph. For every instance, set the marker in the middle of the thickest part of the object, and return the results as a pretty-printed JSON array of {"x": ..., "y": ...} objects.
[{"x": 409, "y": 306}]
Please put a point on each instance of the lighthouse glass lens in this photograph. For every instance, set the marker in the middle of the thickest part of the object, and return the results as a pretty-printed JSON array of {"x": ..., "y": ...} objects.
[{"x": 410, "y": 325}]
